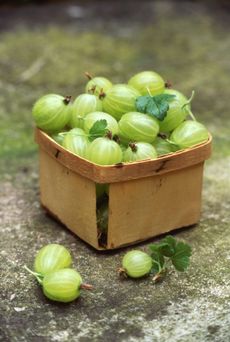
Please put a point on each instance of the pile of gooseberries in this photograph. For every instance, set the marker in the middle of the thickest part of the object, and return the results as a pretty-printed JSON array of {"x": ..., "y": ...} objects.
[
  {"x": 52, "y": 269},
  {"x": 109, "y": 124},
  {"x": 61, "y": 283},
  {"x": 132, "y": 132}
]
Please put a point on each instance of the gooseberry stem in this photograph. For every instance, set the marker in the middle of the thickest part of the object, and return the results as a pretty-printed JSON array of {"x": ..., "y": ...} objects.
[
  {"x": 109, "y": 135},
  {"x": 86, "y": 286},
  {"x": 168, "y": 84},
  {"x": 162, "y": 135},
  {"x": 102, "y": 94},
  {"x": 187, "y": 103},
  {"x": 122, "y": 272},
  {"x": 116, "y": 139},
  {"x": 133, "y": 146},
  {"x": 92, "y": 90},
  {"x": 88, "y": 75},
  {"x": 149, "y": 91},
  {"x": 67, "y": 99},
  {"x": 36, "y": 275},
  {"x": 159, "y": 275},
  {"x": 158, "y": 264},
  {"x": 192, "y": 115}
]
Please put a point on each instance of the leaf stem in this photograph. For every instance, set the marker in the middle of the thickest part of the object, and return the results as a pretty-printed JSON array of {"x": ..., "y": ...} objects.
[
  {"x": 192, "y": 115},
  {"x": 158, "y": 264},
  {"x": 148, "y": 90},
  {"x": 35, "y": 274},
  {"x": 187, "y": 103},
  {"x": 170, "y": 142}
]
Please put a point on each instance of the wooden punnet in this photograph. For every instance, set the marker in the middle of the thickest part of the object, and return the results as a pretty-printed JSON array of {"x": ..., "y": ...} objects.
[{"x": 146, "y": 198}]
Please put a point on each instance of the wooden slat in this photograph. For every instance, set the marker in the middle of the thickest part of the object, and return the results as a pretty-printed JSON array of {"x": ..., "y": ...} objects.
[
  {"x": 124, "y": 172},
  {"x": 141, "y": 209},
  {"x": 69, "y": 197}
]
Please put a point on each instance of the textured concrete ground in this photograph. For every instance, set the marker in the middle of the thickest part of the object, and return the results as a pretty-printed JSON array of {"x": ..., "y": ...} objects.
[{"x": 187, "y": 43}]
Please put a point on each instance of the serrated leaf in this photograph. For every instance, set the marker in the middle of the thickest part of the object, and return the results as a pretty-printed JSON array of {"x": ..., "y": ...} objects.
[
  {"x": 180, "y": 259},
  {"x": 168, "y": 246},
  {"x": 157, "y": 246},
  {"x": 158, "y": 261},
  {"x": 156, "y": 106},
  {"x": 99, "y": 129},
  {"x": 141, "y": 103}
]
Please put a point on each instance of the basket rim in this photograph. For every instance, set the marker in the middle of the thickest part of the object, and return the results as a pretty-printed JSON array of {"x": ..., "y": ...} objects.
[{"x": 124, "y": 171}]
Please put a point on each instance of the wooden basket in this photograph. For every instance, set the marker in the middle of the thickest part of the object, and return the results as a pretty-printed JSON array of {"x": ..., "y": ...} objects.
[{"x": 146, "y": 198}]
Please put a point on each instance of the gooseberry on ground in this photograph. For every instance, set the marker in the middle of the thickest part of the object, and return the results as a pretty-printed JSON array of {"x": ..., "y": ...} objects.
[
  {"x": 62, "y": 285},
  {"x": 136, "y": 264},
  {"x": 51, "y": 258}
]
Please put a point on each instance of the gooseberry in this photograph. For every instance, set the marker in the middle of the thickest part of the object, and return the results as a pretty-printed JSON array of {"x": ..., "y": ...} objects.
[
  {"x": 120, "y": 99},
  {"x": 104, "y": 151},
  {"x": 91, "y": 118},
  {"x": 136, "y": 264},
  {"x": 147, "y": 82},
  {"x": 51, "y": 112},
  {"x": 136, "y": 126},
  {"x": 101, "y": 189},
  {"x": 189, "y": 133},
  {"x": 102, "y": 217},
  {"x": 59, "y": 137},
  {"x": 62, "y": 285},
  {"x": 76, "y": 141},
  {"x": 97, "y": 85},
  {"x": 83, "y": 105},
  {"x": 163, "y": 146},
  {"x": 51, "y": 258},
  {"x": 139, "y": 151},
  {"x": 179, "y": 109}
]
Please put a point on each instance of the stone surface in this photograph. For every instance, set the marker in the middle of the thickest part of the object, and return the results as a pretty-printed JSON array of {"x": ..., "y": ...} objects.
[{"x": 189, "y": 44}]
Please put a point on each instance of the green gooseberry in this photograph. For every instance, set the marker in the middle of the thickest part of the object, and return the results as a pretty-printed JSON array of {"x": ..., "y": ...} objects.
[
  {"x": 136, "y": 264},
  {"x": 51, "y": 258},
  {"x": 62, "y": 285},
  {"x": 51, "y": 112}
]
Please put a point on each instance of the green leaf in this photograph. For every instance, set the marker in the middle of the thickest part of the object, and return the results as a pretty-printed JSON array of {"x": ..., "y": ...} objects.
[
  {"x": 168, "y": 246},
  {"x": 180, "y": 259},
  {"x": 156, "y": 106},
  {"x": 99, "y": 129},
  {"x": 158, "y": 261}
]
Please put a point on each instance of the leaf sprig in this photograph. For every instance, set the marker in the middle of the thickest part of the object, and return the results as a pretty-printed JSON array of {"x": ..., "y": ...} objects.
[
  {"x": 169, "y": 250},
  {"x": 99, "y": 129},
  {"x": 156, "y": 106}
]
